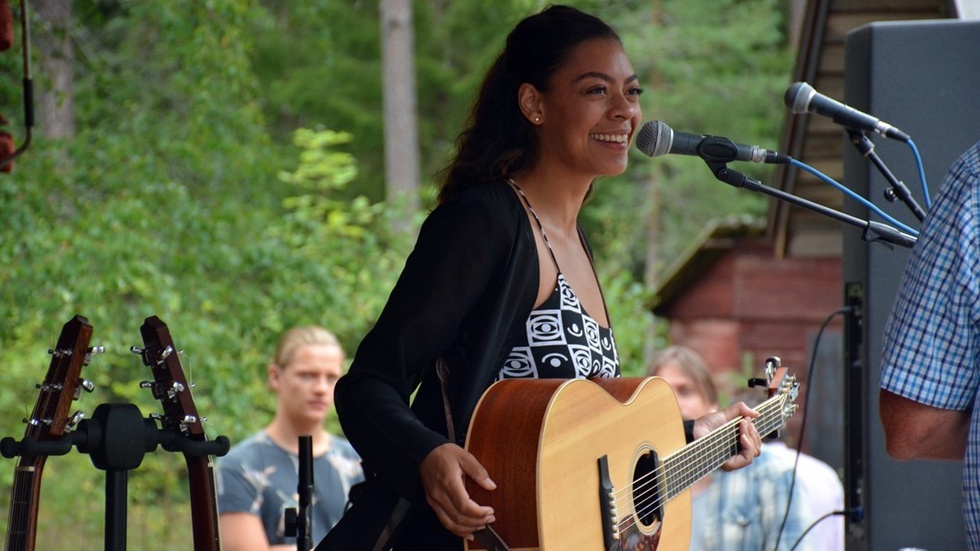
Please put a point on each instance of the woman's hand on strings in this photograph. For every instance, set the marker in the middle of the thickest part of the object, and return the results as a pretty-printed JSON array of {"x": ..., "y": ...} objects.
[{"x": 749, "y": 438}]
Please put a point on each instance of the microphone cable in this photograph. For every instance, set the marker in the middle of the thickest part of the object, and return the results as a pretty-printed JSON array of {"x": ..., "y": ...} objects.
[
  {"x": 922, "y": 173},
  {"x": 799, "y": 444},
  {"x": 850, "y": 193}
]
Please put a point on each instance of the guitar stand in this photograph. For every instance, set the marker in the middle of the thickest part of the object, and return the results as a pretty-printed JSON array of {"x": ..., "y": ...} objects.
[{"x": 116, "y": 437}]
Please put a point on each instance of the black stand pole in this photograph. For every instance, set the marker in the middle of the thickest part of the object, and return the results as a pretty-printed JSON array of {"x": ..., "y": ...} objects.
[
  {"x": 116, "y": 498},
  {"x": 898, "y": 189},
  {"x": 855, "y": 413},
  {"x": 299, "y": 520},
  {"x": 873, "y": 231}
]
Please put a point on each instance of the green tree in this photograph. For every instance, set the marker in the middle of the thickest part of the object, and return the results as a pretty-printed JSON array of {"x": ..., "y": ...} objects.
[{"x": 226, "y": 176}]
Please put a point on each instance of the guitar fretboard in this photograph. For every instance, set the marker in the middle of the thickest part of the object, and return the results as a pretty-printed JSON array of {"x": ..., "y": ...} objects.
[{"x": 699, "y": 458}]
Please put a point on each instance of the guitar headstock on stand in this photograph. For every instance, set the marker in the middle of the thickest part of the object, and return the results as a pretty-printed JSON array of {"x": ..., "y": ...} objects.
[
  {"x": 185, "y": 427},
  {"x": 49, "y": 428},
  {"x": 169, "y": 384}
]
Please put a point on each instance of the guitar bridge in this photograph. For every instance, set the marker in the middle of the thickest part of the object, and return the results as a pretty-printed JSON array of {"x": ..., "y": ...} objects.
[{"x": 607, "y": 506}]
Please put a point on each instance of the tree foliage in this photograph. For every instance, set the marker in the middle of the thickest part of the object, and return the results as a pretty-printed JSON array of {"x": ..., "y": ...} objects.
[{"x": 227, "y": 176}]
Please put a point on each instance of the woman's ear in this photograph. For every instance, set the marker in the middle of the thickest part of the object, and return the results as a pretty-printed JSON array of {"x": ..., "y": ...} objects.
[{"x": 529, "y": 100}]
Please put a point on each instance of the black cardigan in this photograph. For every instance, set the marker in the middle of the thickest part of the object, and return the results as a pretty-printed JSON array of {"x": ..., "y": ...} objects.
[{"x": 464, "y": 295}]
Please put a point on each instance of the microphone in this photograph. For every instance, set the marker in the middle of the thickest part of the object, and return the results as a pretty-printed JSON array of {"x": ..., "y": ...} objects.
[
  {"x": 656, "y": 138},
  {"x": 802, "y": 98}
]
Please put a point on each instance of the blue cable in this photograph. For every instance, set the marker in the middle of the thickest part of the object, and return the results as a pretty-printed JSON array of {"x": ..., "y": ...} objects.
[
  {"x": 922, "y": 174},
  {"x": 854, "y": 196}
]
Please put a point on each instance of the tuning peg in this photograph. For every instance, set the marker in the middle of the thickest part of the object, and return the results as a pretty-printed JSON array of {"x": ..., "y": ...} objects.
[
  {"x": 74, "y": 420},
  {"x": 83, "y": 384},
  {"x": 35, "y": 422},
  {"x": 45, "y": 387},
  {"x": 58, "y": 352},
  {"x": 96, "y": 350}
]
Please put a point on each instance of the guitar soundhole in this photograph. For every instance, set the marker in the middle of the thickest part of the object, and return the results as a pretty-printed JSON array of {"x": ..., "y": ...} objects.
[{"x": 647, "y": 504}]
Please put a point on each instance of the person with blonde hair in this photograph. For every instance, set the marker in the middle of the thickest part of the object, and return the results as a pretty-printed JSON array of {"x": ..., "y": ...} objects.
[{"x": 257, "y": 480}]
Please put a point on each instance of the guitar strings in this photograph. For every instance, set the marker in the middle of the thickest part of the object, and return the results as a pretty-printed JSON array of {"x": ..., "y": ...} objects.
[
  {"x": 690, "y": 464},
  {"x": 647, "y": 497},
  {"x": 724, "y": 433},
  {"x": 726, "y": 436},
  {"x": 769, "y": 420}
]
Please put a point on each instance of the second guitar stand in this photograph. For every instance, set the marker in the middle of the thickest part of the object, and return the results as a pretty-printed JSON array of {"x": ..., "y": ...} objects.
[{"x": 117, "y": 437}]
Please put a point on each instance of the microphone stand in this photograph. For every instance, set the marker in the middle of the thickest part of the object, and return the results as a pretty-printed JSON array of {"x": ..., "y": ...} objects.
[
  {"x": 299, "y": 520},
  {"x": 898, "y": 189},
  {"x": 28, "y": 90},
  {"x": 873, "y": 231},
  {"x": 304, "y": 517}
]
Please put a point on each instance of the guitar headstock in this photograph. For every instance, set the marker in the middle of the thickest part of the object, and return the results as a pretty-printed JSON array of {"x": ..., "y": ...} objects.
[
  {"x": 62, "y": 384},
  {"x": 783, "y": 389},
  {"x": 169, "y": 385},
  {"x": 779, "y": 382}
]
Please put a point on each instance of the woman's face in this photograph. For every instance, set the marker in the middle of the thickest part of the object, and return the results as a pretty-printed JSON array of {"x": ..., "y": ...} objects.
[{"x": 591, "y": 110}]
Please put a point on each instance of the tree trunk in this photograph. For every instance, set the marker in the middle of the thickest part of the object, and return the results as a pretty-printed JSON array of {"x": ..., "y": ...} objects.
[
  {"x": 654, "y": 227},
  {"x": 54, "y": 76},
  {"x": 400, "y": 109}
]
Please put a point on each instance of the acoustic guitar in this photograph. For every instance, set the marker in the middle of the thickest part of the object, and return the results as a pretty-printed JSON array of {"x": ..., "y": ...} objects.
[
  {"x": 49, "y": 421},
  {"x": 592, "y": 464},
  {"x": 170, "y": 387},
  {"x": 599, "y": 464}
]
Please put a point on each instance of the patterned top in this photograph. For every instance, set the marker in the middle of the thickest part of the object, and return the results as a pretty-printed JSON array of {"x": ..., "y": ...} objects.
[
  {"x": 931, "y": 345},
  {"x": 259, "y": 477},
  {"x": 562, "y": 340}
]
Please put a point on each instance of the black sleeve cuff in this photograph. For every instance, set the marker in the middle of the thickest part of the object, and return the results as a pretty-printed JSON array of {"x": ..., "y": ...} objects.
[{"x": 689, "y": 430}]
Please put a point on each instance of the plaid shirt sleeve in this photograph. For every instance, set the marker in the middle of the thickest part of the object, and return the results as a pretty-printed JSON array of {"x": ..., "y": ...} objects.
[{"x": 931, "y": 342}]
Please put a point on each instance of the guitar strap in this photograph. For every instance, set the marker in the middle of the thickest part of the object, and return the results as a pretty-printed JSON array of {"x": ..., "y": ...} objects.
[
  {"x": 442, "y": 371},
  {"x": 486, "y": 535}
]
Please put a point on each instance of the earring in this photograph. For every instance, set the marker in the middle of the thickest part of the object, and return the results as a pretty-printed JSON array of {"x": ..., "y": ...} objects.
[{"x": 537, "y": 119}]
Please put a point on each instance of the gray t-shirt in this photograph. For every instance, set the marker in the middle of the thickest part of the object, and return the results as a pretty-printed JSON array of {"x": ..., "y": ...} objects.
[{"x": 259, "y": 477}]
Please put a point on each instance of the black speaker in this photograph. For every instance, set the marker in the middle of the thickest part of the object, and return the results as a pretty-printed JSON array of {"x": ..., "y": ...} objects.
[{"x": 923, "y": 78}]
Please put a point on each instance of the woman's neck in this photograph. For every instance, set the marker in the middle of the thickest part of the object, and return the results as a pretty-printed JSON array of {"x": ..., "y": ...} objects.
[{"x": 557, "y": 199}]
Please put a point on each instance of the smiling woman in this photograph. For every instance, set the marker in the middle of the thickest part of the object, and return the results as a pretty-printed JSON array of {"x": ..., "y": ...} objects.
[{"x": 501, "y": 282}]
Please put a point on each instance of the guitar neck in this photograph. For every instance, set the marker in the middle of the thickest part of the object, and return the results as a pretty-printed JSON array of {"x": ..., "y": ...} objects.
[
  {"x": 22, "y": 517},
  {"x": 204, "y": 510},
  {"x": 698, "y": 459}
]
